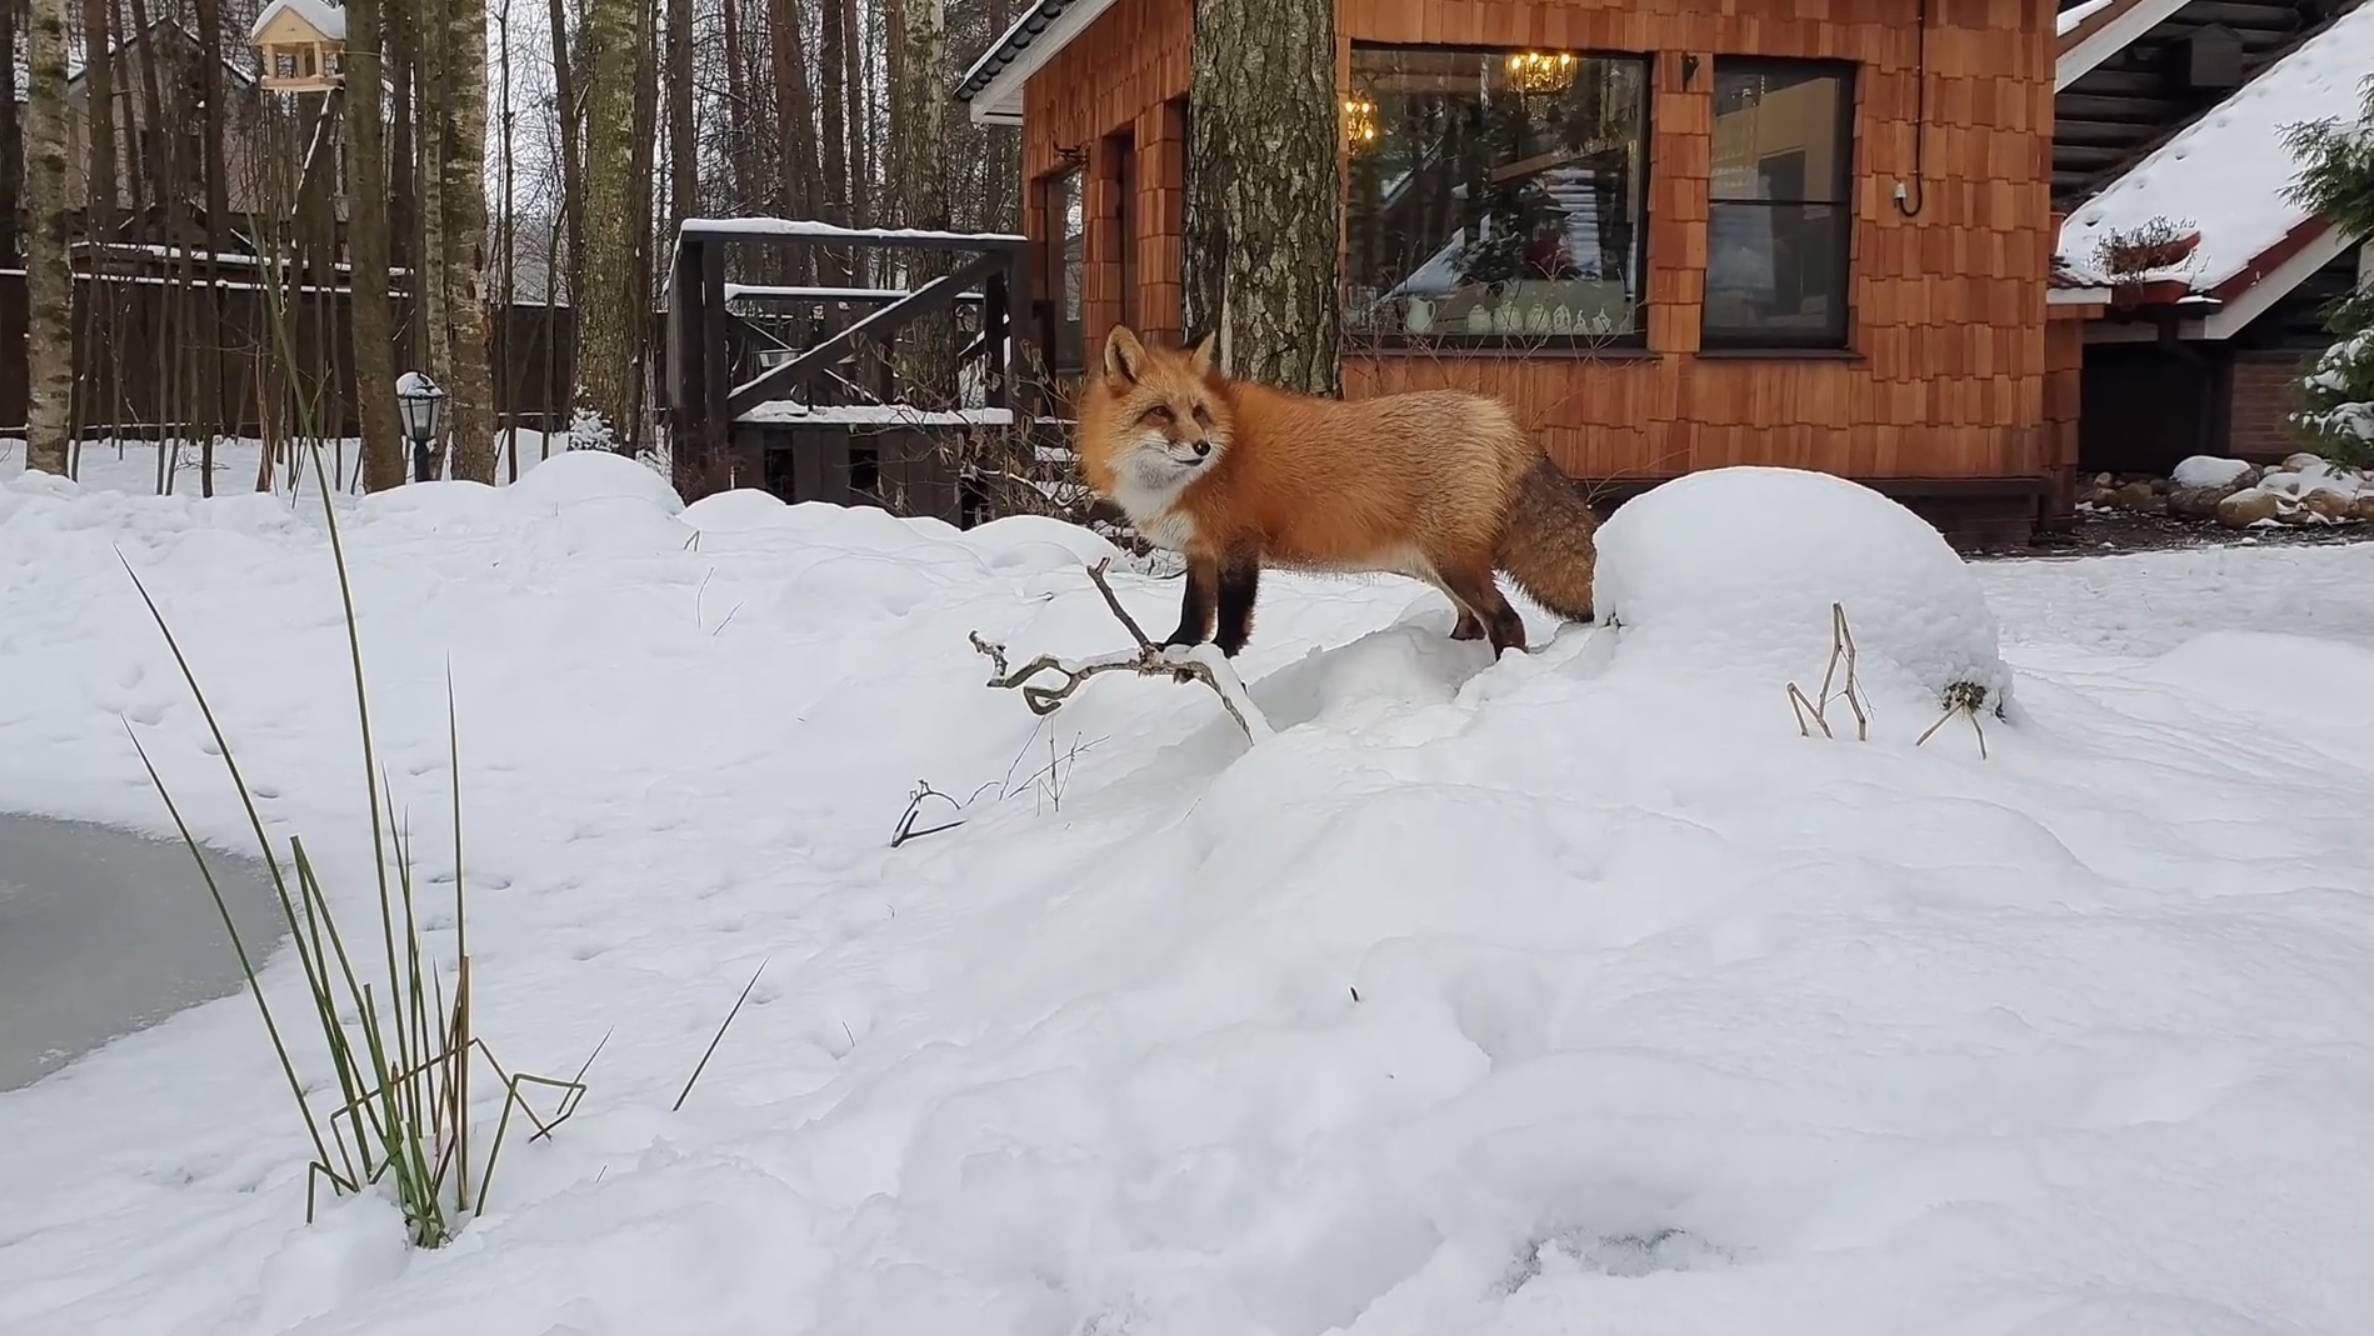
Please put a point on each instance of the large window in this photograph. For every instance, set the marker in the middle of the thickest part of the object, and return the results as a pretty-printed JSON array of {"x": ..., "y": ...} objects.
[
  {"x": 1496, "y": 196},
  {"x": 1782, "y": 214}
]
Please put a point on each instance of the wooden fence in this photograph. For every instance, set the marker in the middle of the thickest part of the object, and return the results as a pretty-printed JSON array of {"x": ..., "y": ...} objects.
[{"x": 147, "y": 357}]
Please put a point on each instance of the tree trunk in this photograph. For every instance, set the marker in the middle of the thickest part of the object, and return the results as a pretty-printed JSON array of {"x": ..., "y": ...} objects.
[
  {"x": 215, "y": 411},
  {"x": 606, "y": 303},
  {"x": 99, "y": 88},
  {"x": 507, "y": 393},
  {"x": 433, "y": 95},
  {"x": 795, "y": 118},
  {"x": 737, "y": 106},
  {"x": 49, "y": 281},
  {"x": 12, "y": 142},
  {"x": 463, "y": 65},
  {"x": 833, "y": 198},
  {"x": 403, "y": 189},
  {"x": 646, "y": 204},
  {"x": 569, "y": 115},
  {"x": 1261, "y": 245},
  {"x": 684, "y": 148},
  {"x": 367, "y": 226},
  {"x": 856, "y": 78},
  {"x": 928, "y": 348}
]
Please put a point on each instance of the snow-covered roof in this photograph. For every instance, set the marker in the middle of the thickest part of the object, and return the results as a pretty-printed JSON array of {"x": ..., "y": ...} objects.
[
  {"x": 2226, "y": 176},
  {"x": 992, "y": 87},
  {"x": 327, "y": 19}
]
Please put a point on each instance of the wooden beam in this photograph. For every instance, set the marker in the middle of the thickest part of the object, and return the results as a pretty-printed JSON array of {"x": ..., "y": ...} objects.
[{"x": 933, "y": 296}]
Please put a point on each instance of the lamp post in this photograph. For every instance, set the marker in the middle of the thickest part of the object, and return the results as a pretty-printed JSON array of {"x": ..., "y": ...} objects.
[{"x": 422, "y": 406}]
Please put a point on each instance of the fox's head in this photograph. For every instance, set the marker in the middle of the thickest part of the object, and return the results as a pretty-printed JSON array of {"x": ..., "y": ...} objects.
[{"x": 1152, "y": 420}]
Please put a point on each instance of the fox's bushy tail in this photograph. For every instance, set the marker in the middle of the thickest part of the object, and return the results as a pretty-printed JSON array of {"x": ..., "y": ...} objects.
[{"x": 1546, "y": 541}]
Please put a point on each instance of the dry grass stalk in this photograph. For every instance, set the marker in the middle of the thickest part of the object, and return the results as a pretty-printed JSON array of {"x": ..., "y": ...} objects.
[{"x": 1842, "y": 649}]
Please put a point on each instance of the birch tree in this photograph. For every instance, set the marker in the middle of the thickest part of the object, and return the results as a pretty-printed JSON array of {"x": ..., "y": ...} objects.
[
  {"x": 464, "y": 137},
  {"x": 49, "y": 279},
  {"x": 1263, "y": 180}
]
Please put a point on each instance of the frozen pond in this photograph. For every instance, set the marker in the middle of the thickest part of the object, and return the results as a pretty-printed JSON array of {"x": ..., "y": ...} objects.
[{"x": 103, "y": 932}]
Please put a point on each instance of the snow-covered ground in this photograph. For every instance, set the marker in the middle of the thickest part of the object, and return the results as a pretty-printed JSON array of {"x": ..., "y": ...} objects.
[
  {"x": 140, "y": 466},
  {"x": 1573, "y": 993}
]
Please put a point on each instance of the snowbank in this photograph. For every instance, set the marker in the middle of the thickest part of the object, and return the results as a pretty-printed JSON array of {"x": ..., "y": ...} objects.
[
  {"x": 1572, "y": 991},
  {"x": 1732, "y": 573}
]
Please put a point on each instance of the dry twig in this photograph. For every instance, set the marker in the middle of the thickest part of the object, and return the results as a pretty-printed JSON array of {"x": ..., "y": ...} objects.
[{"x": 1200, "y": 664}]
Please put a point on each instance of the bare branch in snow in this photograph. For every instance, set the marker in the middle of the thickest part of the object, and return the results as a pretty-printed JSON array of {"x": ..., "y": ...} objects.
[{"x": 1203, "y": 663}]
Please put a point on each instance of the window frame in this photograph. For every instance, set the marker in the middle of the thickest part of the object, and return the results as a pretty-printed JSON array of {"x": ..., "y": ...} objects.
[
  {"x": 1633, "y": 342},
  {"x": 1741, "y": 340}
]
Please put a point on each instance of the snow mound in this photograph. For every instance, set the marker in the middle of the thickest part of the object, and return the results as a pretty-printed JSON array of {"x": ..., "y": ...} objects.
[
  {"x": 736, "y": 511},
  {"x": 1732, "y": 572},
  {"x": 2209, "y": 471},
  {"x": 590, "y": 475},
  {"x": 1021, "y": 543}
]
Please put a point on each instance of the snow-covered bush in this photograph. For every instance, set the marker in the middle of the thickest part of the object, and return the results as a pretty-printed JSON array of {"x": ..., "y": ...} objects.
[
  {"x": 1733, "y": 572},
  {"x": 2339, "y": 390}
]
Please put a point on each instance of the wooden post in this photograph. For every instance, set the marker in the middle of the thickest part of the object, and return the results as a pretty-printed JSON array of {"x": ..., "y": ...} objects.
[
  {"x": 996, "y": 361},
  {"x": 717, "y": 371},
  {"x": 1017, "y": 295}
]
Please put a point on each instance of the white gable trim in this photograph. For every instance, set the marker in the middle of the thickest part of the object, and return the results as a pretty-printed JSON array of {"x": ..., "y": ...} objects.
[
  {"x": 2114, "y": 36},
  {"x": 2278, "y": 283}
]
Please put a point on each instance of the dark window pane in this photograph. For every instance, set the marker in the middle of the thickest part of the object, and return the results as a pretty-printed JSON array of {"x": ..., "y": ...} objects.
[
  {"x": 1496, "y": 194},
  {"x": 1776, "y": 274},
  {"x": 1780, "y": 135},
  {"x": 1067, "y": 224}
]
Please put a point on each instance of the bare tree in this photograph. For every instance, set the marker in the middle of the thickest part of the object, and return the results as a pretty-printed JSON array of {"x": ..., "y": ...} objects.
[
  {"x": 49, "y": 277},
  {"x": 367, "y": 237}
]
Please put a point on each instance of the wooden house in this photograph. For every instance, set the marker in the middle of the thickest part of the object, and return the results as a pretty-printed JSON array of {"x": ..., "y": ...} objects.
[
  {"x": 1674, "y": 235},
  {"x": 300, "y": 45},
  {"x": 2169, "y": 163}
]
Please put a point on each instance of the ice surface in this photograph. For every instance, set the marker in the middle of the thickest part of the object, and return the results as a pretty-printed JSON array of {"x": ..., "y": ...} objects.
[{"x": 1572, "y": 992}]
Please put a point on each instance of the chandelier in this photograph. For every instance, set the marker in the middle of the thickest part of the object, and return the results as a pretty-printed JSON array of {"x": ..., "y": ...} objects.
[
  {"x": 1360, "y": 123},
  {"x": 1541, "y": 71}
]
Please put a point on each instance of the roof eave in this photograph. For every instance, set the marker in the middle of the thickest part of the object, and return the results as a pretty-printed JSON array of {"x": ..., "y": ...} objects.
[
  {"x": 2105, "y": 34},
  {"x": 992, "y": 88}
]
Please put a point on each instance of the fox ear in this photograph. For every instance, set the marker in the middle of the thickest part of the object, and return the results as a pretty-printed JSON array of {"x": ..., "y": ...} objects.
[
  {"x": 1200, "y": 360},
  {"x": 1124, "y": 355}
]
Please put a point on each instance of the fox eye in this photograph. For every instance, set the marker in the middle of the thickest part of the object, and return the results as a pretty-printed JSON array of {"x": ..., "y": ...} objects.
[
  {"x": 1158, "y": 413},
  {"x": 1202, "y": 417}
]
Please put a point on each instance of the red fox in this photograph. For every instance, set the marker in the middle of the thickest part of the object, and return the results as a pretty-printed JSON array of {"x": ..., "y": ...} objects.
[{"x": 1439, "y": 485}]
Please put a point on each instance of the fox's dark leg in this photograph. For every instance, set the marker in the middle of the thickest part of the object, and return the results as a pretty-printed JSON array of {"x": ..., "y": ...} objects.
[
  {"x": 1197, "y": 603},
  {"x": 1475, "y": 589},
  {"x": 1468, "y": 628},
  {"x": 1240, "y": 581}
]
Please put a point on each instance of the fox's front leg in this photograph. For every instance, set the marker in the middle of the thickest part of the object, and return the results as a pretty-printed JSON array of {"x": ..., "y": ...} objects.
[
  {"x": 1197, "y": 604},
  {"x": 1240, "y": 582}
]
